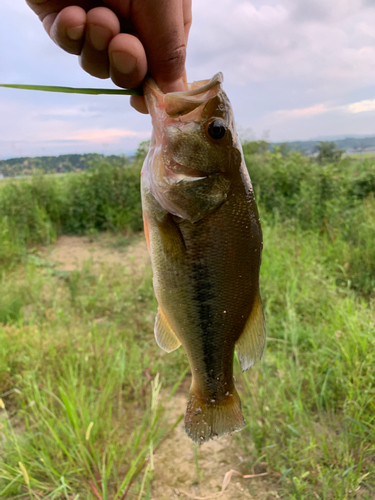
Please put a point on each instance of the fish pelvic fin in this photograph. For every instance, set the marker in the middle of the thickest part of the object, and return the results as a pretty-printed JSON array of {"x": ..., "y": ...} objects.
[
  {"x": 164, "y": 334},
  {"x": 251, "y": 343},
  {"x": 207, "y": 420}
]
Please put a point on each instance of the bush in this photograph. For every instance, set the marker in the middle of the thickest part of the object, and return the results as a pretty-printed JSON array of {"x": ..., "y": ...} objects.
[
  {"x": 335, "y": 199},
  {"x": 33, "y": 211}
]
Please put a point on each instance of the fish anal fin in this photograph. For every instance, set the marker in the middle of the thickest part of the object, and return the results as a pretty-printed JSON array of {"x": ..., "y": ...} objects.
[
  {"x": 251, "y": 343},
  {"x": 164, "y": 334}
]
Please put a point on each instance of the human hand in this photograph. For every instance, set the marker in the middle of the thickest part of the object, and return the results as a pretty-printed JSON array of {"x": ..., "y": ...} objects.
[{"x": 122, "y": 39}]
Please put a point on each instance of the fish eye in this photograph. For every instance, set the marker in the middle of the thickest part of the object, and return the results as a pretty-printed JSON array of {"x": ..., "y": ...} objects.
[{"x": 216, "y": 129}]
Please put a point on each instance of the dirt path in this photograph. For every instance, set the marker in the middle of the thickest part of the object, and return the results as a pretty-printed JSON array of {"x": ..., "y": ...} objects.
[
  {"x": 178, "y": 476},
  {"x": 71, "y": 252},
  {"x": 181, "y": 470}
]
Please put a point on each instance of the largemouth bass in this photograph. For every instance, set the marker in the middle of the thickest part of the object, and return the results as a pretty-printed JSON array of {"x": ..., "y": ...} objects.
[{"x": 204, "y": 237}]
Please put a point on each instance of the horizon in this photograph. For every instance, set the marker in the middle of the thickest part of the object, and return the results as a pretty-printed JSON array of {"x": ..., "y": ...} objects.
[{"x": 131, "y": 153}]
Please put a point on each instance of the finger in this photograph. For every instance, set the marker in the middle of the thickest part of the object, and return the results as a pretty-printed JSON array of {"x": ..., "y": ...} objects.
[
  {"x": 101, "y": 26},
  {"x": 128, "y": 64},
  {"x": 139, "y": 104},
  {"x": 188, "y": 17},
  {"x": 161, "y": 29},
  {"x": 67, "y": 28}
]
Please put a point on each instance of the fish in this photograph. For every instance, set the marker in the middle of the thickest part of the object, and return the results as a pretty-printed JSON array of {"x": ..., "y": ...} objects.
[{"x": 204, "y": 237}]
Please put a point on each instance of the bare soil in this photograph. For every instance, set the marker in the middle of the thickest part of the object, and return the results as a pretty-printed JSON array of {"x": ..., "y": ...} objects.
[
  {"x": 181, "y": 469},
  {"x": 71, "y": 252}
]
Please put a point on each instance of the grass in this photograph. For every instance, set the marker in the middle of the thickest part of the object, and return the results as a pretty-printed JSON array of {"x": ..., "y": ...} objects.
[
  {"x": 34, "y": 211},
  {"x": 80, "y": 372},
  {"x": 310, "y": 405},
  {"x": 78, "y": 382},
  {"x": 80, "y": 350}
]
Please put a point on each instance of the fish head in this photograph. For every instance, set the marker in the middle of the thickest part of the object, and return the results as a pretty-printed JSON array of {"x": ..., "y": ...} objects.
[{"x": 194, "y": 144}]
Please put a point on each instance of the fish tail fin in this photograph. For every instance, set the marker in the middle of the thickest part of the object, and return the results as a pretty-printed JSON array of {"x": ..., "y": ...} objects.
[{"x": 206, "y": 420}]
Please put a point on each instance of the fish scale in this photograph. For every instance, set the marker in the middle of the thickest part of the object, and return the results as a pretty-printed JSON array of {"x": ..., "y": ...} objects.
[{"x": 205, "y": 242}]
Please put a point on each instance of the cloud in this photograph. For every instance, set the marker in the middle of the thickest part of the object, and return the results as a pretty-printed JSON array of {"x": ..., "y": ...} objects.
[
  {"x": 318, "y": 11},
  {"x": 312, "y": 42},
  {"x": 108, "y": 136},
  {"x": 290, "y": 66},
  {"x": 318, "y": 109},
  {"x": 48, "y": 127},
  {"x": 361, "y": 106}
]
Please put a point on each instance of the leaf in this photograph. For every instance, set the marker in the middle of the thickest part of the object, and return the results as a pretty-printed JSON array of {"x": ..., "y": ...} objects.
[{"x": 72, "y": 90}]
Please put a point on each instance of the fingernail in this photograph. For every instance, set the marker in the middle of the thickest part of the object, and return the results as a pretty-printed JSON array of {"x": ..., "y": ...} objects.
[
  {"x": 75, "y": 32},
  {"x": 125, "y": 63},
  {"x": 99, "y": 37}
]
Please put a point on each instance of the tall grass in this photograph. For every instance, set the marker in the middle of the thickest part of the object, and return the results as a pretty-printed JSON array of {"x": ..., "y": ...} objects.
[
  {"x": 310, "y": 405},
  {"x": 78, "y": 356},
  {"x": 80, "y": 384},
  {"x": 33, "y": 212},
  {"x": 334, "y": 200}
]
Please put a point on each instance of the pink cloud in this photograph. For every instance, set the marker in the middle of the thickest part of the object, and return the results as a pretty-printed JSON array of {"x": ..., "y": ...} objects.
[
  {"x": 318, "y": 109},
  {"x": 106, "y": 136}
]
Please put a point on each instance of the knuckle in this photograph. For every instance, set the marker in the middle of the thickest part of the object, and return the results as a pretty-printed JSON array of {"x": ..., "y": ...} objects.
[{"x": 173, "y": 61}]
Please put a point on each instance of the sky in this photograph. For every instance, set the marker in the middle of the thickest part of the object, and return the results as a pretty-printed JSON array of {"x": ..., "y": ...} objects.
[{"x": 293, "y": 70}]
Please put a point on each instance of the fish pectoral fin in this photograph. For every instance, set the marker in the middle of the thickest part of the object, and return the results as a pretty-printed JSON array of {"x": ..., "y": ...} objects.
[
  {"x": 251, "y": 343},
  {"x": 164, "y": 334}
]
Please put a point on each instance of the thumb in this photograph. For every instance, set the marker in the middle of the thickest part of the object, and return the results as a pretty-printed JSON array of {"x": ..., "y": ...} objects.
[{"x": 163, "y": 27}]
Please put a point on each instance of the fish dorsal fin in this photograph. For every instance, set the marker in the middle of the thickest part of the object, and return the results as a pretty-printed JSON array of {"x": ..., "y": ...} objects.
[
  {"x": 164, "y": 334},
  {"x": 251, "y": 343}
]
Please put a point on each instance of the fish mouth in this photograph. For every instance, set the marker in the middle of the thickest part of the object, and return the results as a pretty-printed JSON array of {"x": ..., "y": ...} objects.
[
  {"x": 178, "y": 104},
  {"x": 175, "y": 173}
]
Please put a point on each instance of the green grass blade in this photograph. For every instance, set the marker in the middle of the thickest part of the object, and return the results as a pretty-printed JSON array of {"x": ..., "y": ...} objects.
[{"x": 71, "y": 90}]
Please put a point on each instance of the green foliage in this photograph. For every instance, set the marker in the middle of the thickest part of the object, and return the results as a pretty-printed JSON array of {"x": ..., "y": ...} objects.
[
  {"x": 34, "y": 211},
  {"x": 77, "y": 347},
  {"x": 333, "y": 199},
  {"x": 73, "y": 356},
  {"x": 328, "y": 152},
  {"x": 80, "y": 349},
  {"x": 309, "y": 406},
  {"x": 358, "y": 144},
  {"x": 255, "y": 147},
  {"x": 106, "y": 198},
  {"x": 56, "y": 164}
]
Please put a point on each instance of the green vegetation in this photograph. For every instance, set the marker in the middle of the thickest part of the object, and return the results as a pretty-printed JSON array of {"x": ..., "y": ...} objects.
[
  {"x": 33, "y": 212},
  {"x": 15, "y": 167},
  {"x": 356, "y": 144},
  {"x": 328, "y": 152},
  {"x": 335, "y": 200},
  {"x": 77, "y": 349}
]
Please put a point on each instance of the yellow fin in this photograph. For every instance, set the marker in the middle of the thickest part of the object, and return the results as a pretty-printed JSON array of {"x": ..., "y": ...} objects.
[
  {"x": 251, "y": 343},
  {"x": 165, "y": 336}
]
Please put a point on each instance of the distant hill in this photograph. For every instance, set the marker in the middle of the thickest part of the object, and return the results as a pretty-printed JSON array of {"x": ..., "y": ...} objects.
[
  {"x": 349, "y": 144},
  {"x": 53, "y": 164},
  {"x": 14, "y": 167}
]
